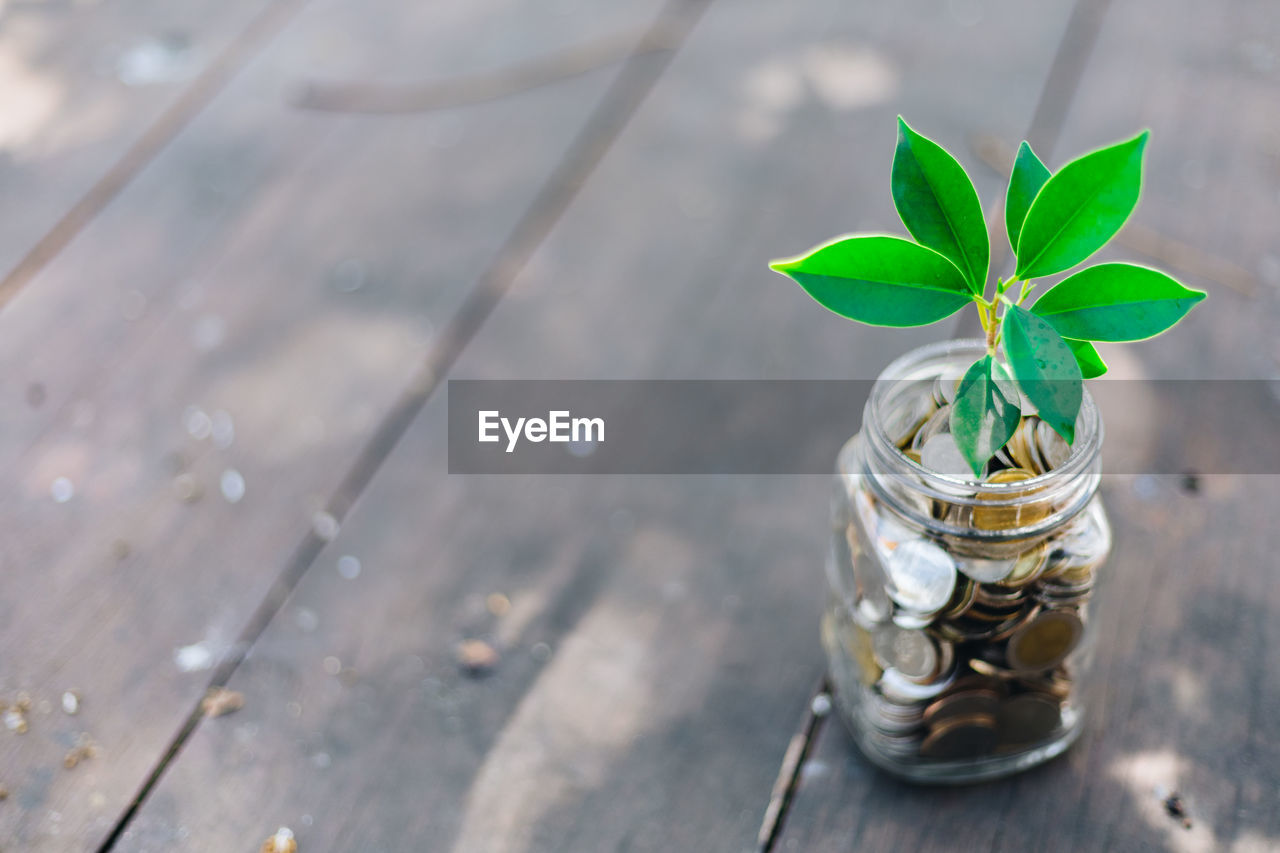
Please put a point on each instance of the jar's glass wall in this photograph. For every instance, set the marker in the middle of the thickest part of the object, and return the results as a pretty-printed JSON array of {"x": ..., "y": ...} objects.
[{"x": 961, "y": 619}]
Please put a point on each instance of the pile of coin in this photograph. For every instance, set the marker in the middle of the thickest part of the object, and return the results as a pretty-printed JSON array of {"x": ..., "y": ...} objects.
[
  {"x": 921, "y": 427},
  {"x": 953, "y": 650}
]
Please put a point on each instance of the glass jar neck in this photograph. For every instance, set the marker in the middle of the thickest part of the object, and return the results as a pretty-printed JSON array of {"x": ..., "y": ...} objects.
[{"x": 966, "y": 507}]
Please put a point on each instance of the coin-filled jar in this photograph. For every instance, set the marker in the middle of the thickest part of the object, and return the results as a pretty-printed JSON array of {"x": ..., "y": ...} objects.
[{"x": 961, "y": 613}]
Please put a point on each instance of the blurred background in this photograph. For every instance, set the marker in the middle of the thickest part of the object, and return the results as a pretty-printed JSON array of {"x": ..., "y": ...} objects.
[{"x": 245, "y": 242}]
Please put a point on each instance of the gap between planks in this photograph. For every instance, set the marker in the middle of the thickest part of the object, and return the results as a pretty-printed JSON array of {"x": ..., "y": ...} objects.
[
  {"x": 1061, "y": 83},
  {"x": 640, "y": 72},
  {"x": 261, "y": 30}
]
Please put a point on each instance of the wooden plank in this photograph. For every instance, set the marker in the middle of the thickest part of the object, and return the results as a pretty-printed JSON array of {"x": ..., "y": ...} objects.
[
  {"x": 658, "y": 635},
  {"x": 93, "y": 90},
  {"x": 285, "y": 267},
  {"x": 1188, "y": 707}
]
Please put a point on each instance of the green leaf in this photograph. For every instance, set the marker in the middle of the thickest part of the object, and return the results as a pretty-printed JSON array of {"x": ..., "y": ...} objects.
[
  {"x": 1029, "y": 175},
  {"x": 1045, "y": 368},
  {"x": 939, "y": 206},
  {"x": 1091, "y": 364},
  {"x": 985, "y": 413},
  {"x": 883, "y": 281},
  {"x": 1116, "y": 302},
  {"x": 1080, "y": 208}
]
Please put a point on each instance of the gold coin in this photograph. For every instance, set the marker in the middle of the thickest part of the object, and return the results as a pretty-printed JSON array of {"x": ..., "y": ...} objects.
[
  {"x": 961, "y": 601},
  {"x": 967, "y": 736},
  {"x": 855, "y": 640},
  {"x": 997, "y": 596},
  {"x": 1027, "y": 567},
  {"x": 961, "y": 703},
  {"x": 1045, "y": 641},
  {"x": 858, "y": 644},
  {"x": 1027, "y": 718},
  {"x": 1009, "y": 516}
]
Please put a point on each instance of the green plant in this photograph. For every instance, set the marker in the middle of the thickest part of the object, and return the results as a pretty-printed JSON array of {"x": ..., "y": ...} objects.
[{"x": 1054, "y": 221}]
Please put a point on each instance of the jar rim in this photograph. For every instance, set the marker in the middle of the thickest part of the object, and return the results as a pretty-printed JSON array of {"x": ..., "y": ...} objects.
[
  {"x": 894, "y": 476},
  {"x": 1084, "y": 451}
]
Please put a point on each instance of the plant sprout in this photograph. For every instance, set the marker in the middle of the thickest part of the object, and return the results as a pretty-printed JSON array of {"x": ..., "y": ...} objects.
[{"x": 1054, "y": 221}]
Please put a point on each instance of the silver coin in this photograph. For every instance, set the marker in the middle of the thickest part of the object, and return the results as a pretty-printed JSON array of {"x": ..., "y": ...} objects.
[
  {"x": 922, "y": 576},
  {"x": 940, "y": 453},
  {"x": 945, "y": 388},
  {"x": 939, "y": 423},
  {"x": 1053, "y": 448},
  {"x": 913, "y": 653},
  {"x": 897, "y": 688},
  {"x": 905, "y": 421},
  {"x": 1085, "y": 543},
  {"x": 985, "y": 571}
]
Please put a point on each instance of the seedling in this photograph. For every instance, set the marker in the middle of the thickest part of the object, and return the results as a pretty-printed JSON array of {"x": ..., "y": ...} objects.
[{"x": 1054, "y": 221}]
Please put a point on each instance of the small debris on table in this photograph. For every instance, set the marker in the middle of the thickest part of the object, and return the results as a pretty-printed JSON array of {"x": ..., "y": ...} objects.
[
  {"x": 4, "y": 793},
  {"x": 497, "y": 604},
  {"x": 187, "y": 489},
  {"x": 71, "y": 702},
  {"x": 15, "y": 721},
  {"x": 193, "y": 658},
  {"x": 821, "y": 705},
  {"x": 82, "y": 751},
  {"x": 282, "y": 842},
  {"x": 476, "y": 657},
  {"x": 220, "y": 700},
  {"x": 1177, "y": 809}
]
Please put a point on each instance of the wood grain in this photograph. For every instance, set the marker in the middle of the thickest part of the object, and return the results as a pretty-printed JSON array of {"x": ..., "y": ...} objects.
[
  {"x": 93, "y": 91},
  {"x": 268, "y": 264},
  {"x": 660, "y": 639}
]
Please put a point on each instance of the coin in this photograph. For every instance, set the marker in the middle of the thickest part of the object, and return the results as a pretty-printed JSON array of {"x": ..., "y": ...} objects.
[
  {"x": 939, "y": 423},
  {"x": 896, "y": 687},
  {"x": 1008, "y": 516},
  {"x": 998, "y": 596},
  {"x": 995, "y": 613},
  {"x": 1045, "y": 641},
  {"x": 922, "y": 576},
  {"x": 1027, "y": 567},
  {"x": 1027, "y": 718},
  {"x": 968, "y": 736},
  {"x": 985, "y": 571},
  {"x": 888, "y": 715},
  {"x": 858, "y": 643},
  {"x": 945, "y": 388},
  {"x": 961, "y": 703},
  {"x": 1053, "y": 448},
  {"x": 905, "y": 421},
  {"x": 941, "y": 454},
  {"x": 1083, "y": 545},
  {"x": 961, "y": 600},
  {"x": 913, "y": 653}
]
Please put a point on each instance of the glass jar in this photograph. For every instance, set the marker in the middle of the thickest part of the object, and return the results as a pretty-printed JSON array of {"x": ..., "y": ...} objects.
[{"x": 960, "y": 621}]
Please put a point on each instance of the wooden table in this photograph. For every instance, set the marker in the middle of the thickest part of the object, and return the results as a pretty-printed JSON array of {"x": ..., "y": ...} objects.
[{"x": 236, "y": 289}]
